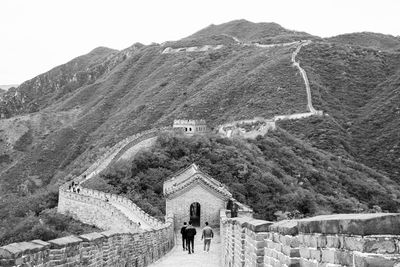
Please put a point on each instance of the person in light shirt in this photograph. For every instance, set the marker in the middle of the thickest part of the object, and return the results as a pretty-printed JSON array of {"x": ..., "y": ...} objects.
[{"x": 207, "y": 235}]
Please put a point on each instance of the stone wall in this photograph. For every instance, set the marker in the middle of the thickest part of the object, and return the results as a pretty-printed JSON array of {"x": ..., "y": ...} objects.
[
  {"x": 133, "y": 238},
  {"x": 334, "y": 240},
  {"x": 116, "y": 151},
  {"x": 108, "y": 248},
  {"x": 94, "y": 211},
  {"x": 210, "y": 206},
  {"x": 100, "y": 209}
]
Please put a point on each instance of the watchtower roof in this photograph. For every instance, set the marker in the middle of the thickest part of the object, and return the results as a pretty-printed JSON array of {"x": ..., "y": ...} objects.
[
  {"x": 184, "y": 179},
  {"x": 190, "y": 122}
]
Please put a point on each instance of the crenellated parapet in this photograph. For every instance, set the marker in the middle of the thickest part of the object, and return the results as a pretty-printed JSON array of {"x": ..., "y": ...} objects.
[
  {"x": 108, "y": 248},
  {"x": 132, "y": 237},
  {"x": 330, "y": 240}
]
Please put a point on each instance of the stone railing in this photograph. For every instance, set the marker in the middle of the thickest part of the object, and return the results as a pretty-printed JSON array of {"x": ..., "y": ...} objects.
[
  {"x": 331, "y": 240},
  {"x": 108, "y": 248}
]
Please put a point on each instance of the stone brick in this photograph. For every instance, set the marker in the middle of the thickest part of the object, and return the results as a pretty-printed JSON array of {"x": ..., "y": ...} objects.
[
  {"x": 65, "y": 241},
  {"x": 353, "y": 224},
  {"x": 381, "y": 245},
  {"x": 305, "y": 252},
  {"x": 321, "y": 241},
  {"x": 328, "y": 255},
  {"x": 285, "y": 227},
  {"x": 258, "y": 225},
  {"x": 294, "y": 263},
  {"x": 308, "y": 263},
  {"x": 332, "y": 241},
  {"x": 315, "y": 254},
  {"x": 366, "y": 260}
]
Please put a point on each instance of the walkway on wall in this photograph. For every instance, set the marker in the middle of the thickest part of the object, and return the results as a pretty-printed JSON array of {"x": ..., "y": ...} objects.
[
  {"x": 133, "y": 216},
  {"x": 178, "y": 257},
  {"x": 304, "y": 75}
]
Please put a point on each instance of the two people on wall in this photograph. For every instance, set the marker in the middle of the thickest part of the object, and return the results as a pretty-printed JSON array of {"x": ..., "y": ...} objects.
[
  {"x": 74, "y": 187},
  {"x": 188, "y": 233}
]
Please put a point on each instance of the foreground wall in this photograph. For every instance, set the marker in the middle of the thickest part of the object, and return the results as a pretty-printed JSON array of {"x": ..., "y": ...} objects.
[
  {"x": 334, "y": 240},
  {"x": 109, "y": 248}
]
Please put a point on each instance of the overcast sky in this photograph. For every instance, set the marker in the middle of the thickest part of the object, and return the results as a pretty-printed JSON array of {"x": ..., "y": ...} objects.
[{"x": 37, "y": 35}]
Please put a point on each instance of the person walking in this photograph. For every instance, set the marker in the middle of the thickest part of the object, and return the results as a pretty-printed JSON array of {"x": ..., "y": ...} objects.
[
  {"x": 207, "y": 235},
  {"x": 190, "y": 233},
  {"x": 183, "y": 233}
]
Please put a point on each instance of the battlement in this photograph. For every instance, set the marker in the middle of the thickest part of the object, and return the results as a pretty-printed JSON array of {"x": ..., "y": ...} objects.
[
  {"x": 330, "y": 240},
  {"x": 108, "y": 248},
  {"x": 189, "y": 122}
]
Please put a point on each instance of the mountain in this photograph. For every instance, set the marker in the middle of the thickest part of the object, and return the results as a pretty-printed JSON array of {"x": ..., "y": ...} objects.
[
  {"x": 359, "y": 88},
  {"x": 37, "y": 93},
  {"x": 242, "y": 31},
  {"x": 368, "y": 39},
  {"x": 277, "y": 172},
  {"x": 2, "y": 91},
  {"x": 55, "y": 125},
  {"x": 7, "y": 86}
]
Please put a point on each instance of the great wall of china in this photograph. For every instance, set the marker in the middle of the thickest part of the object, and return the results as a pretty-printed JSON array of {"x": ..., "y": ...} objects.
[{"x": 133, "y": 238}]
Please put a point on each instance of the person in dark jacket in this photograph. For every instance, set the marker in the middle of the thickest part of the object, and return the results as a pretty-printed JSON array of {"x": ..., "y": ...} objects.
[
  {"x": 190, "y": 233},
  {"x": 183, "y": 233}
]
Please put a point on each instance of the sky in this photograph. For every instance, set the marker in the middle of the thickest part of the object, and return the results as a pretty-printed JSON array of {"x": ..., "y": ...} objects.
[{"x": 38, "y": 35}]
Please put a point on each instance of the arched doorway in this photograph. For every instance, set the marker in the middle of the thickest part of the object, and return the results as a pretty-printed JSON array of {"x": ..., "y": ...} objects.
[{"x": 195, "y": 213}]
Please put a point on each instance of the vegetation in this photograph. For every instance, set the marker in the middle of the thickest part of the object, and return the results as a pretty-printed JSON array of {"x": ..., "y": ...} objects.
[
  {"x": 369, "y": 39},
  {"x": 272, "y": 173},
  {"x": 31, "y": 217},
  {"x": 90, "y": 103},
  {"x": 358, "y": 88}
]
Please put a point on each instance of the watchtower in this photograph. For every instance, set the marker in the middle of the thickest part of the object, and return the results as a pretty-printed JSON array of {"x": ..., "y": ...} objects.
[
  {"x": 190, "y": 126},
  {"x": 192, "y": 195}
]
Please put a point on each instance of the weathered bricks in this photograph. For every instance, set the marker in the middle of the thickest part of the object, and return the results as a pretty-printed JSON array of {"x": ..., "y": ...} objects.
[
  {"x": 304, "y": 242},
  {"x": 352, "y": 224},
  {"x": 108, "y": 248}
]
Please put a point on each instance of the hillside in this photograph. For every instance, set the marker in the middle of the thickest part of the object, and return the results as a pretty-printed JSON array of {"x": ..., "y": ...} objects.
[
  {"x": 271, "y": 174},
  {"x": 368, "y": 39},
  {"x": 359, "y": 89},
  {"x": 58, "y": 123},
  {"x": 2, "y": 91},
  {"x": 247, "y": 31},
  {"x": 43, "y": 90},
  {"x": 7, "y": 86},
  {"x": 147, "y": 89}
]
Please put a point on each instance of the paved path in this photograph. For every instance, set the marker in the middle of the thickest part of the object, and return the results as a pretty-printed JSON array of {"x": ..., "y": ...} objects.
[{"x": 178, "y": 257}]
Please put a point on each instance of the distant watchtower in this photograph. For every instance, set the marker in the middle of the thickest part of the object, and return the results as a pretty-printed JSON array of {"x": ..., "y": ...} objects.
[{"x": 190, "y": 126}]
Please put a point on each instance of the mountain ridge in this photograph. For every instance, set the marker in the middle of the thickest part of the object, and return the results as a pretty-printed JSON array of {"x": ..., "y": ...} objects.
[{"x": 57, "y": 124}]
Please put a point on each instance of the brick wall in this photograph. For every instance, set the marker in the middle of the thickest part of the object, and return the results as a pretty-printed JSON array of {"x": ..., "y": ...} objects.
[
  {"x": 334, "y": 240},
  {"x": 94, "y": 211},
  {"x": 108, "y": 248},
  {"x": 123, "y": 244},
  {"x": 97, "y": 208},
  {"x": 210, "y": 206}
]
